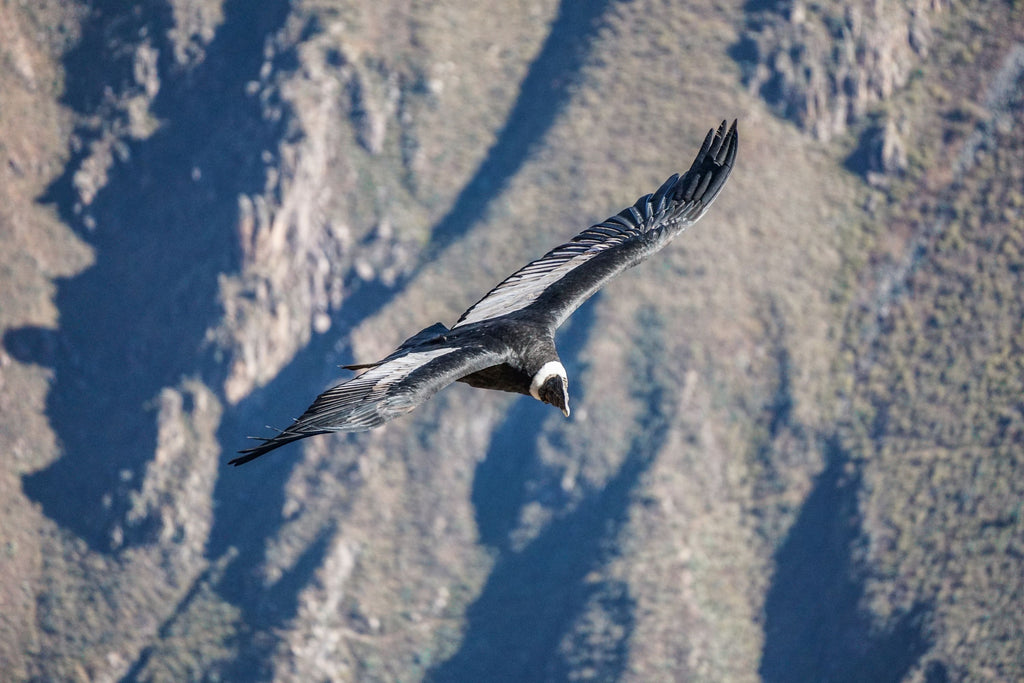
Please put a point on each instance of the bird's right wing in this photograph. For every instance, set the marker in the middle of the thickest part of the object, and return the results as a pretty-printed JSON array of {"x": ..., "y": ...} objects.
[
  {"x": 557, "y": 283},
  {"x": 382, "y": 393}
]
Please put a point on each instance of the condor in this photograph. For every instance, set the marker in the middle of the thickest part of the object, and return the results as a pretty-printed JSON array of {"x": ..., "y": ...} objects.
[{"x": 506, "y": 341}]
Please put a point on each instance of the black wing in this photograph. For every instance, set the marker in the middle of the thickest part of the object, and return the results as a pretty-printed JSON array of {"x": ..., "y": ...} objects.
[
  {"x": 556, "y": 284},
  {"x": 394, "y": 387}
]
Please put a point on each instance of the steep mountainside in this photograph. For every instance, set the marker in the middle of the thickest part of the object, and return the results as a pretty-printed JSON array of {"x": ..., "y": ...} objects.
[{"x": 796, "y": 444}]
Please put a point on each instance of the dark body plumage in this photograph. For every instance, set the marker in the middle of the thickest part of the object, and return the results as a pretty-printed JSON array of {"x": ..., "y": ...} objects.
[{"x": 506, "y": 340}]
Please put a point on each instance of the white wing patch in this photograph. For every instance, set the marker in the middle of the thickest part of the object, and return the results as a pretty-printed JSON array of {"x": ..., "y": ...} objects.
[
  {"x": 364, "y": 400},
  {"x": 526, "y": 285},
  {"x": 380, "y": 394}
]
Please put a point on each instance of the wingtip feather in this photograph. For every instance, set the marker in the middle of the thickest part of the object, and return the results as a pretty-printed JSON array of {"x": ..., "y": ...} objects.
[{"x": 715, "y": 161}]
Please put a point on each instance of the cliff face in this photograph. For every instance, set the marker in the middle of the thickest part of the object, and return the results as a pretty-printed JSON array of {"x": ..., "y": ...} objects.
[
  {"x": 828, "y": 66},
  {"x": 796, "y": 433}
]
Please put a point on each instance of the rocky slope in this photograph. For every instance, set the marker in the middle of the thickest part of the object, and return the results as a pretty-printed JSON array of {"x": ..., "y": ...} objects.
[{"x": 795, "y": 449}]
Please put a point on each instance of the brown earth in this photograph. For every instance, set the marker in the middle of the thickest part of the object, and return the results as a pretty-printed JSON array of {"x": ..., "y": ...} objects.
[{"x": 796, "y": 443}]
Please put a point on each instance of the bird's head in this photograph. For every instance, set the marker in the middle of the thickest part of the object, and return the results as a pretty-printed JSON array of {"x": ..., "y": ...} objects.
[{"x": 551, "y": 385}]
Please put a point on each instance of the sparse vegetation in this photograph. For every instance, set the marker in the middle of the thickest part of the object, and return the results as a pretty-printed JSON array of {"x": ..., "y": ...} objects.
[{"x": 846, "y": 322}]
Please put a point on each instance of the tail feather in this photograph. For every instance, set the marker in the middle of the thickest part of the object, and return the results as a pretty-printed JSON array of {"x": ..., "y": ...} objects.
[
  {"x": 268, "y": 444},
  {"x": 361, "y": 366}
]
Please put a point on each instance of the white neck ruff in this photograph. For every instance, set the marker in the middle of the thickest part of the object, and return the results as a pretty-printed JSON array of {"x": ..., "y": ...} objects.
[{"x": 552, "y": 368}]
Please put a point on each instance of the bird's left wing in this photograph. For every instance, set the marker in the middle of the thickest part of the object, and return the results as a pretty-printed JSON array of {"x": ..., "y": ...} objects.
[
  {"x": 384, "y": 392},
  {"x": 554, "y": 285}
]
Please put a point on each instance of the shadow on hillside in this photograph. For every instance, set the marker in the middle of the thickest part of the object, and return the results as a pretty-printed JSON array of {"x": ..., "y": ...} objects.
[
  {"x": 250, "y": 500},
  {"x": 249, "y": 506},
  {"x": 163, "y": 228},
  {"x": 815, "y": 629},
  {"x": 542, "y": 94},
  {"x": 525, "y": 625},
  {"x": 499, "y": 483},
  {"x": 759, "y": 17}
]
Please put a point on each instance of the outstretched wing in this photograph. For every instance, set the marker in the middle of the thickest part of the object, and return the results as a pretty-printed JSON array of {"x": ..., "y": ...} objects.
[
  {"x": 555, "y": 285},
  {"x": 392, "y": 388}
]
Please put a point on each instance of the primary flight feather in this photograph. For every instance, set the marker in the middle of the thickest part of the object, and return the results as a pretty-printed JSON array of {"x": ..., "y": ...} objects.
[{"x": 506, "y": 341}]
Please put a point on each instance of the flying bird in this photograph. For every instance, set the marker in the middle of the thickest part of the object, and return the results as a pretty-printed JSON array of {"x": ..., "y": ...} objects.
[{"x": 506, "y": 341}]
